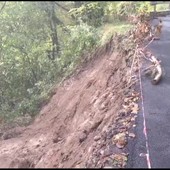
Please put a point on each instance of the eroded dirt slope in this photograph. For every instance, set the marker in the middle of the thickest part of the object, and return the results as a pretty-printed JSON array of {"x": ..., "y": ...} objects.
[{"x": 82, "y": 108}]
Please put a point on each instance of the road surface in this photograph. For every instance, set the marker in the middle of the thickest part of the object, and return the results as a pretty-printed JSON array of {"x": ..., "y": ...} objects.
[{"x": 157, "y": 112}]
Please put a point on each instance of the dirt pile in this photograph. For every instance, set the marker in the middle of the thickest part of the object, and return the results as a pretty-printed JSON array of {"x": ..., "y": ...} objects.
[{"x": 79, "y": 119}]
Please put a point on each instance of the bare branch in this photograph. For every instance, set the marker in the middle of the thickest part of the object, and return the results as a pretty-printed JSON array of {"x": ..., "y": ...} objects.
[
  {"x": 61, "y": 6},
  {"x": 3, "y": 6}
]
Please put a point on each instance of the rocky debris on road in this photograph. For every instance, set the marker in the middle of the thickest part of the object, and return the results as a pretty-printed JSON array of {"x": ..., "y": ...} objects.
[
  {"x": 112, "y": 150},
  {"x": 109, "y": 149}
]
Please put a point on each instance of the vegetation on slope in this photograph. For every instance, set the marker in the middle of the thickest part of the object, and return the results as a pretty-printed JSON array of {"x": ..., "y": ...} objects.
[{"x": 42, "y": 42}]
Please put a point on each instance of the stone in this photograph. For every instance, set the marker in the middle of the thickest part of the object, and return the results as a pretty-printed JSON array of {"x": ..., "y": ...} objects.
[
  {"x": 120, "y": 140},
  {"x": 132, "y": 135},
  {"x": 96, "y": 138},
  {"x": 82, "y": 137}
]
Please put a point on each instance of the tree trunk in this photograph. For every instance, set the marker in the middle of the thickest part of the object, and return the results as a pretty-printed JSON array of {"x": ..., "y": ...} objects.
[{"x": 53, "y": 27}]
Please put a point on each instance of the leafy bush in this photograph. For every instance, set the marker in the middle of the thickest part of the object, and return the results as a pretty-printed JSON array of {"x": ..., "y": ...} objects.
[
  {"x": 82, "y": 38},
  {"x": 27, "y": 73},
  {"x": 121, "y": 10},
  {"x": 125, "y": 8},
  {"x": 90, "y": 13},
  {"x": 144, "y": 7}
]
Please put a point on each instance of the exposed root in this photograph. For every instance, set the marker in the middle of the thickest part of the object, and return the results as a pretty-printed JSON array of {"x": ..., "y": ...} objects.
[
  {"x": 158, "y": 68},
  {"x": 154, "y": 70}
]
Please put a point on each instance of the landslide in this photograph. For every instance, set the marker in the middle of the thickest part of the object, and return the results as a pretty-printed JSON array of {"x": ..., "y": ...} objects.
[{"x": 78, "y": 117}]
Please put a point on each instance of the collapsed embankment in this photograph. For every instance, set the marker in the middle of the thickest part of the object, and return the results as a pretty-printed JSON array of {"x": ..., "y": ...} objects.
[{"x": 83, "y": 125}]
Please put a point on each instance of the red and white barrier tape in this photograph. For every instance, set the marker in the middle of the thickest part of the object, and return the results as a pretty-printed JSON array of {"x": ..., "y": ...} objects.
[{"x": 144, "y": 119}]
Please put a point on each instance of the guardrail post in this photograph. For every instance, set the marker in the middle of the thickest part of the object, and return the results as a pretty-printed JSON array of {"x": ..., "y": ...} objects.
[{"x": 155, "y": 8}]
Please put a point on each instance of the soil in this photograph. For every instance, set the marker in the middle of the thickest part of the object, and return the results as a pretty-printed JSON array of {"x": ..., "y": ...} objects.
[{"x": 75, "y": 123}]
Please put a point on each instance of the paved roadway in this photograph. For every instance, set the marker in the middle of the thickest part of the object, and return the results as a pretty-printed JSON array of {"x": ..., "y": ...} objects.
[{"x": 157, "y": 111}]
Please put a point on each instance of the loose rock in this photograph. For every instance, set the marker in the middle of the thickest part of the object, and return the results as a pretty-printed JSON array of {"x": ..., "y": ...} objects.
[
  {"x": 132, "y": 135},
  {"x": 82, "y": 137},
  {"x": 96, "y": 138},
  {"x": 120, "y": 140}
]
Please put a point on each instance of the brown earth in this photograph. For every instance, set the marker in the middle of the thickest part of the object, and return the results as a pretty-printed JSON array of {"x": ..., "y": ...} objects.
[{"x": 83, "y": 107}]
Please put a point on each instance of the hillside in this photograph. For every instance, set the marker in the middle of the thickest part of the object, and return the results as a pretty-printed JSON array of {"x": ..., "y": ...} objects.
[{"x": 79, "y": 121}]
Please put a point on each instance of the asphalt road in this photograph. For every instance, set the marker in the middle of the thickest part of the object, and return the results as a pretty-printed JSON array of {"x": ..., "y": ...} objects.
[{"x": 157, "y": 111}]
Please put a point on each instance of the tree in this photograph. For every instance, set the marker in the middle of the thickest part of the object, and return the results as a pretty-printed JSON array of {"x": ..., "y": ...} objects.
[{"x": 49, "y": 8}]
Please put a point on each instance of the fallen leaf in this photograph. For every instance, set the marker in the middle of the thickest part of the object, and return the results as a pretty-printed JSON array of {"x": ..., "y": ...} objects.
[
  {"x": 125, "y": 154},
  {"x": 126, "y": 100},
  {"x": 132, "y": 135},
  {"x": 119, "y": 158},
  {"x": 126, "y": 108},
  {"x": 127, "y": 124},
  {"x": 119, "y": 135},
  {"x": 133, "y": 119},
  {"x": 135, "y": 108},
  {"x": 135, "y": 94},
  {"x": 135, "y": 99}
]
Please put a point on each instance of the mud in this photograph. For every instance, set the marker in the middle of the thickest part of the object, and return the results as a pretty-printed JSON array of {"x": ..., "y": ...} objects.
[{"x": 78, "y": 115}]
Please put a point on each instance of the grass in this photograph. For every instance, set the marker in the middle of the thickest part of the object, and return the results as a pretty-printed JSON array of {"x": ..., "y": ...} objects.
[
  {"x": 162, "y": 7},
  {"x": 107, "y": 30}
]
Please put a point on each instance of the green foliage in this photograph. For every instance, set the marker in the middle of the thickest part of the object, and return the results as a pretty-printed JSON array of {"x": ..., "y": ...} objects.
[
  {"x": 23, "y": 58},
  {"x": 121, "y": 10},
  {"x": 81, "y": 38},
  {"x": 125, "y": 8},
  {"x": 162, "y": 7},
  {"x": 144, "y": 7},
  {"x": 27, "y": 73},
  {"x": 90, "y": 13}
]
